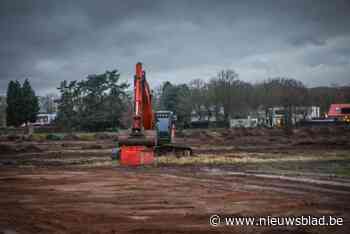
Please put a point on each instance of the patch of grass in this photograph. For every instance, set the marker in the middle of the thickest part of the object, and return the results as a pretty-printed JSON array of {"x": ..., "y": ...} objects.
[
  {"x": 55, "y": 136},
  {"x": 344, "y": 171},
  {"x": 331, "y": 163},
  {"x": 209, "y": 159},
  {"x": 38, "y": 136},
  {"x": 86, "y": 136}
]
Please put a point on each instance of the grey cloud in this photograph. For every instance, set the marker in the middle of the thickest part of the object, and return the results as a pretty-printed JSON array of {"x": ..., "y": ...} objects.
[
  {"x": 49, "y": 41},
  {"x": 305, "y": 40}
]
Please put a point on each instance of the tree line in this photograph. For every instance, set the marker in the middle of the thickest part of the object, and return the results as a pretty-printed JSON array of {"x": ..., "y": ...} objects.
[
  {"x": 104, "y": 102},
  {"x": 226, "y": 96}
]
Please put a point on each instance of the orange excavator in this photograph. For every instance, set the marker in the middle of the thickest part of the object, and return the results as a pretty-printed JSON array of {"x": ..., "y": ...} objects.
[{"x": 151, "y": 133}]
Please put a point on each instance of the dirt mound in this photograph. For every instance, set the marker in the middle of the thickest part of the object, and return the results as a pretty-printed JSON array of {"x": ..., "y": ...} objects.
[
  {"x": 13, "y": 149},
  {"x": 231, "y": 134},
  {"x": 304, "y": 132},
  {"x": 103, "y": 136},
  {"x": 235, "y": 135},
  {"x": 30, "y": 149},
  {"x": 92, "y": 146},
  {"x": 258, "y": 132},
  {"x": 14, "y": 137},
  {"x": 252, "y": 137},
  {"x": 322, "y": 131}
]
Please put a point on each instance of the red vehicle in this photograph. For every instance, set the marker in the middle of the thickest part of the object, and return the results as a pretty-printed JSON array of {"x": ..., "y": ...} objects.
[
  {"x": 137, "y": 146},
  {"x": 150, "y": 132},
  {"x": 340, "y": 112}
]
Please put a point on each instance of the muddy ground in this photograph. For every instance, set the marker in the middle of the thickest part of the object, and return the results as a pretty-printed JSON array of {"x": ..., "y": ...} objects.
[{"x": 71, "y": 186}]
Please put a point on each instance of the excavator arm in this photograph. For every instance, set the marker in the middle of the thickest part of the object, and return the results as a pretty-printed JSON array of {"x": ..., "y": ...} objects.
[{"x": 144, "y": 117}]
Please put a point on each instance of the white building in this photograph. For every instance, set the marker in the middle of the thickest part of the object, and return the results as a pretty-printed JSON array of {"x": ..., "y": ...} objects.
[
  {"x": 44, "y": 119},
  {"x": 275, "y": 116},
  {"x": 206, "y": 115},
  {"x": 244, "y": 123}
]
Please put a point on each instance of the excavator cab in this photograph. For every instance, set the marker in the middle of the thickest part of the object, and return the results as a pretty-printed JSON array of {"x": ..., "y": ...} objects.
[{"x": 164, "y": 125}]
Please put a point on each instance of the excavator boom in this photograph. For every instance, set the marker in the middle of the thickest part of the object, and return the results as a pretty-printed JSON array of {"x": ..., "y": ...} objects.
[{"x": 144, "y": 117}]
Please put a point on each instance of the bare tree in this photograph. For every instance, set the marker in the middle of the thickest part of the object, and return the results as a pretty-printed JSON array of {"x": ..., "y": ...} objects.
[{"x": 198, "y": 97}]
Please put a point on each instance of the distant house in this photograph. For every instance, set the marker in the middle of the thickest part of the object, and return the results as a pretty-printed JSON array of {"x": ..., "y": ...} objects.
[
  {"x": 48, "y": 110},
  {"x": 44, "y": 119},
  {"x": 339, "y": 111},
  {"x": 271, "y": 117},
  {"x": 275, "y": 116},
  {"x": 244, "y": 123},
  {"x": 206, "y": 115}
]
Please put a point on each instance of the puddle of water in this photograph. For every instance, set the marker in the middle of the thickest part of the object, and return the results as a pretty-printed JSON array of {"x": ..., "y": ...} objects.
[{"x": 139, "y": 217}]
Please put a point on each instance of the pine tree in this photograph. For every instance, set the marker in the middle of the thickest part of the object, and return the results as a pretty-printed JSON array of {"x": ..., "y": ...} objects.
[
  {"x": 30, "y": 103},
  {"x": 14, "y": 104}
]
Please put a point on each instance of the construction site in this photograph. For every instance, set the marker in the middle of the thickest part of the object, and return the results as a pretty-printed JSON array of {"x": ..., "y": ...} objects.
[
  {"x": 73, "y": 186},
  {"x": 154, "y": 178},
  {"x": 174, "y": 117}
]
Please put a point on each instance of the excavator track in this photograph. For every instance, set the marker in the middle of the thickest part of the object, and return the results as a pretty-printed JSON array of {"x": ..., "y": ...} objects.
[{"x": 173, "y": 149}]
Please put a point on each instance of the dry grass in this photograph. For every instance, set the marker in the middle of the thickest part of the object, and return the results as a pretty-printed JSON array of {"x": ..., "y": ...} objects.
[{"x": 211, "y": 159}]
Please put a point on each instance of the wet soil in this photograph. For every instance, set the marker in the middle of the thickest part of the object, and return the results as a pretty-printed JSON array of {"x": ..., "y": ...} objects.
[{"x": 72, "y": 186}]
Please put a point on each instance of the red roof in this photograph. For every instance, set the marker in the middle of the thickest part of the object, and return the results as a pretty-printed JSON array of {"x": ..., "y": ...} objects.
[{"x": 337, "y": 110}]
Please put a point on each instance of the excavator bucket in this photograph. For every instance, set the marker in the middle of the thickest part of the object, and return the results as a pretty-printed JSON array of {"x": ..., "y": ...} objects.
[
  {"x": 137, "y": 149},
  {"x": 136, "y": 155},
  {"x": 144, "y": 138}
]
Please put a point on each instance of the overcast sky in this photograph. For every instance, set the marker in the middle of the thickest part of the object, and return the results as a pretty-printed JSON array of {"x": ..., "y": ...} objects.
[{"x": 49, "y": 41}]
